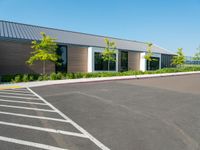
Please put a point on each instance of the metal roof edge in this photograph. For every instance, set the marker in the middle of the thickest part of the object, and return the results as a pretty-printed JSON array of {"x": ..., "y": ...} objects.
[
  {"x": 73, "y": 31},
  {"x": 173, "y": 53},
  {"x": 80, "y": 33}
]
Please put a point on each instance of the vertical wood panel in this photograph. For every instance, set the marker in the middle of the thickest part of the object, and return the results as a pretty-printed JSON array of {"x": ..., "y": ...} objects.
[
  {"x": 13, "y": 57},
  {"x": 77, "y": 59},
  {"x": 119, "y": 60},
  {"x": 133, "y": 60}
]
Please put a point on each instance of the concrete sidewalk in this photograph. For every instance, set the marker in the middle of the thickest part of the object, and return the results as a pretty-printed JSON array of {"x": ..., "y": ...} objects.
[{"x": 83, "y": 80}]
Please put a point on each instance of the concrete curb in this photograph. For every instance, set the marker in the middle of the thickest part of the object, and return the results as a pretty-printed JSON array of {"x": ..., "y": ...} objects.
[{"x": 100, "y": 79}]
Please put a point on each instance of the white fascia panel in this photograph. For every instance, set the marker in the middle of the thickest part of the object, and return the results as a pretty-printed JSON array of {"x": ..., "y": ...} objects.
[
  {"x": 90, "y": 60},
  {"x": 142, "y": 62}
]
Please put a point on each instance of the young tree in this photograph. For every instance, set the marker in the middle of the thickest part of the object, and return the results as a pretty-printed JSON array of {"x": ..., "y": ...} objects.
[
  {"x": 197, "y": 54},
  {"x": 179, "y": 59},
  {"x": 44, "y": 50},
  {"x": 109, "y": 52},
  {"x": 149, "y": 54}
]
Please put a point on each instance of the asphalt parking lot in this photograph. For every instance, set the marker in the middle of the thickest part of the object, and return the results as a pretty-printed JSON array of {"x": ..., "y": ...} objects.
[{"x": 146, "y": 114}]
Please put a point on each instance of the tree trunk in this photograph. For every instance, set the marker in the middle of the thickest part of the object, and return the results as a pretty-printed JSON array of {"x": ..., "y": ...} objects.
[
  {"x": 108, "y": 65},
  {"x": 149, "y": 65},
  {"x": 44, "y": 68}
]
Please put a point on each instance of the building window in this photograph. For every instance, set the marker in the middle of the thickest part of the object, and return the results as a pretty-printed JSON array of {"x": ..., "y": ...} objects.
[
  {"x": 166, "y": 61},
  {"x": 124, "y": 61},
  {"x": 154, "y": 64},
  {"x": 62, "y": 52},
  {"x": 101, "y": 65}
]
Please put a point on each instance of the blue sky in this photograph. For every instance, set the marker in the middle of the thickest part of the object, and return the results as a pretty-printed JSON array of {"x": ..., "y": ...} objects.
[{"x": 168, "y": 23}]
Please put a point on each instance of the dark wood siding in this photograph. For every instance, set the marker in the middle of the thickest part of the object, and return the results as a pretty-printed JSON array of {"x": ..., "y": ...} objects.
[
  {"x": 133, "y": 60},
  {"x": 77, "y": 59},
  {"x": 13, "y": 57}
]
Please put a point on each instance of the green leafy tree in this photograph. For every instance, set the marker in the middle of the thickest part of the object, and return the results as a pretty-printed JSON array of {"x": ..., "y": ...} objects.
[
  {"x": 179, "y": 59},
  {"x": 197, "y": 54},
  {"x": 149, "y": 54},
  {"x": 109, "y": 52},
  {"x": 44, "y": 50}
]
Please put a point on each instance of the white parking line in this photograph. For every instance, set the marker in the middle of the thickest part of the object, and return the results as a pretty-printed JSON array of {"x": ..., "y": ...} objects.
[
  {"x": 1, "y": 92},
  {"x": 18, "y": 89},
  {"x": 29, "y": 108},
  {"x": 13, "y": 101},
  {"x": 31, "y": 144},
  {"x": 13, "y": 91},
  {"x": 19, "y": 97},
  {"x": 22, "y": 100},
  {"x": 44, "y": 129},
  {"x": 34, "y": 117},
  {"x": 93, "y": 139}
]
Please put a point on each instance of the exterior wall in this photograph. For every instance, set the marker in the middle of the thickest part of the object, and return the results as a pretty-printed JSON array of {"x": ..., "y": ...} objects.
[
  {"x": 77, "y": 59},
  {"x": 13, "y": 57},
  {"x": 133, "y": 60},
  {"x": 90, "y": 59},
  {"x": 142, "y": 62},
  {"x": 119, "y": 60}
]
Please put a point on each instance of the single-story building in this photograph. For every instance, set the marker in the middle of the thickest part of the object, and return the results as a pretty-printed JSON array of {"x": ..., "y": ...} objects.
[{"x": 80, "y": 52}]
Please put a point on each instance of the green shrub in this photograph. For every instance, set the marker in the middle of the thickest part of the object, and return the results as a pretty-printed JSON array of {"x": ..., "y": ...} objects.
[
  {"x": 70, "y": 76},
  {"x": 63, "y": 76},
  {"x": 58, "y": 76},
  {"x": 25, "y": 78},
  {"x": 53, "y": 76},
  {"x": 78, "y": 75},
  {"x": 7, "y": 78},
  {"x": 31, "y": 78},
  {"x": 17, "y": 79},
  {"x": 40, "y": 78},
  {"x": 45, "y": 77}
]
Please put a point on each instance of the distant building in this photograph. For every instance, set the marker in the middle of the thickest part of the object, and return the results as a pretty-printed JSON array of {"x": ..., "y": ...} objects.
[{"x": 191, "y": 61}]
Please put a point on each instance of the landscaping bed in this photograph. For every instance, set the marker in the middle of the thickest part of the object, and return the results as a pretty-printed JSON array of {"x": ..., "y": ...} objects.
[{"x": 58, "y": 76}]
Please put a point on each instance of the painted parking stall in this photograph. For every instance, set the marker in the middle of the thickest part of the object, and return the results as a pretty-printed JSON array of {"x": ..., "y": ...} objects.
[{"x": 25, "y": 118}]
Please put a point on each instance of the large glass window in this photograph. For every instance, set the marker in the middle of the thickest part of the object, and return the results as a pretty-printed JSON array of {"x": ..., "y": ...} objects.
[
  {"x": 153, "y": 65},
  {"x": 124, "y": 60},
  {"x": 166, "y": 60},
  {"x": 62, "y": 52},
  {"x": 101, "y": 65}
]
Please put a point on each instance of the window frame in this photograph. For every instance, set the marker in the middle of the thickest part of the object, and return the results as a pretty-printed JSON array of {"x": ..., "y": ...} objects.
[{"x": 96, "y": 49}]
